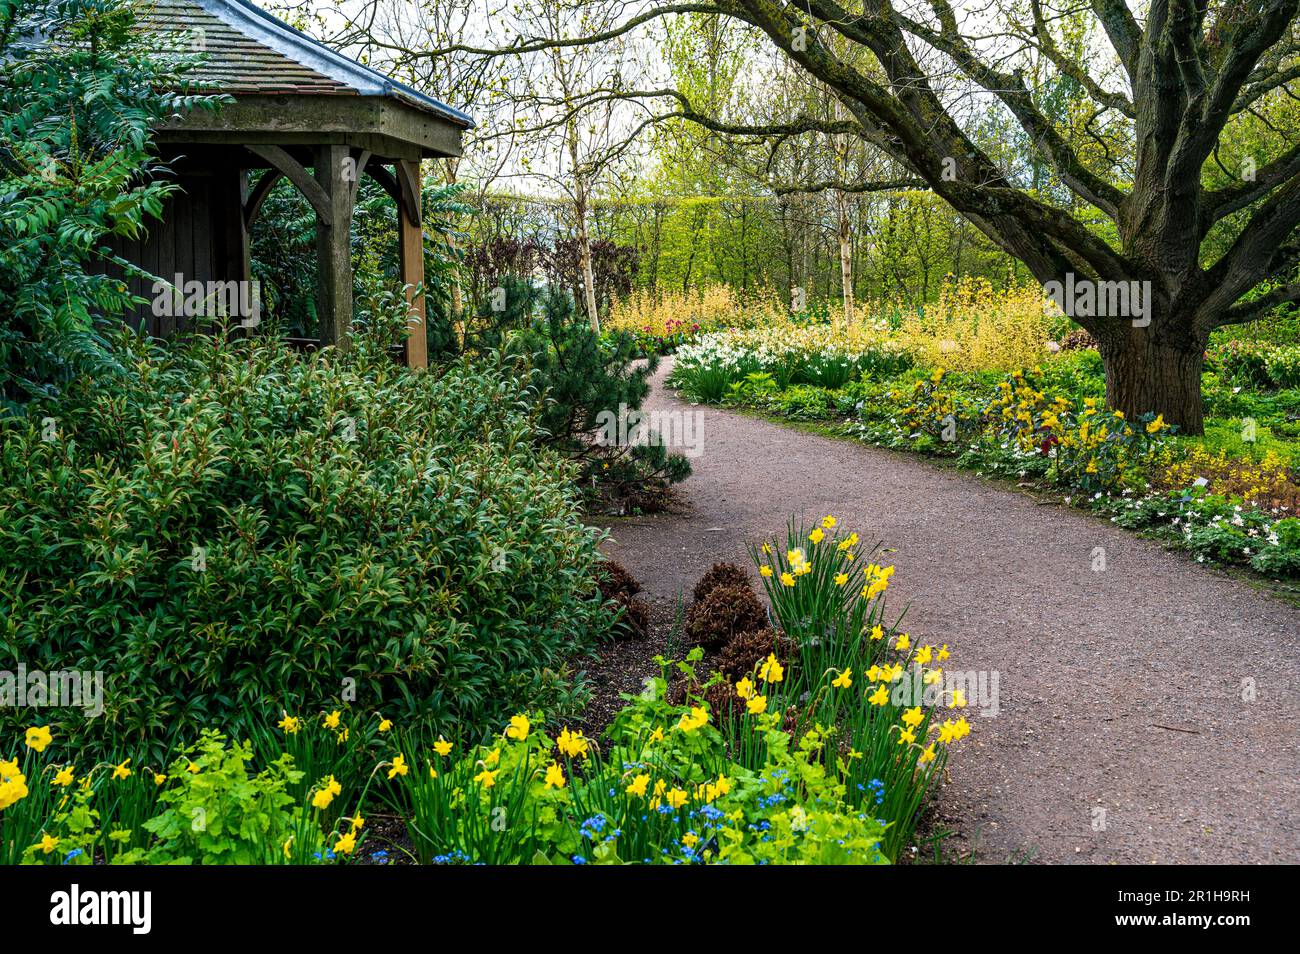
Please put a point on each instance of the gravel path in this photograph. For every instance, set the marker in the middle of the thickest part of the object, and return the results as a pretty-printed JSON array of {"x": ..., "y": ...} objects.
[{"x": 1121, "y": 733}]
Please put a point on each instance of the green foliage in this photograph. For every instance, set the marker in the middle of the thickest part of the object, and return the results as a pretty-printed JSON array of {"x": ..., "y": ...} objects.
[
  {"x": 587, "y": 382},
  {"x": 235, "y": 524},
  {"x": 80, "y": 91},
  {"x": 218, "y": 812}
]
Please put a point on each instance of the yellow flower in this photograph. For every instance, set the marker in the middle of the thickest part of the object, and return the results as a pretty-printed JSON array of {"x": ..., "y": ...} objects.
[
  {"x": 765, "y": 571},
  {"x": 927, "y": 754},
  {"x": 657, "y": 735},
  {"x": 486, "y": 778},
  {"x": 787, "y": 579},
  {"x": 816, "y": 536},
  {"x": 903, "y": 643},
  {"x": 64, "y": 776},
  {"x": 48, "y": 844},
  {"x": 961, "y": 728},
  {"x": 346, "y": 844},
  {"x": 906, "y": 737},
  {"x": 1157, "y": 425},
  {"x": 877, "y": 633},
  {"x": 285, "y": 847},
  {"x": 912, "y": 717},
  {"x": 385, "y": 725},
  {"x": 159, "y": 778},
  {"x": 518, "y": 728},
  {"x": 442, "y": 746},
  {"x": 289, "y": 724},
  {"x": 923, "y": 656},
  {"x": 492, "y": 758},
  {"x": 771, "y": 670},
  {"x": 689, "y": 839},
  {"x": 841, "y": 579},
  {"x": 433, "y": 772},
  {"x": 958, "y": 699},
  {"x": 121, "y": 771},
  {"x": 554, "y": 776},
  {"x": 756, "y": 705},
  {"x": 695, "y": 719},
  {"x": 399, "y": 766},
  {"x": 844, "y": 679},
  {"x": 943, "y": 652},
  {"x": 828, "y": 522},
  {"x": 572, "y": 744},
  {"x": 332, "y": 720},
  {"x": 344, "y": 735},
  {"x": 638, "y": 785},
  {"x": 38, "y": 737},
  {"x": 357, "y": 822},
  {"x": 745, "y": 688},
  {"x": 676, "y": 798},
  {"x": 326, "y": 793},
  {"x": 880, "y": 696},
  {"x": 767, "y": 548}
]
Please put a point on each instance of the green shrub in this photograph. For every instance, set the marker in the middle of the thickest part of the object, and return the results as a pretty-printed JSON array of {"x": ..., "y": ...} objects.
[{"x": 234, "y": 526}]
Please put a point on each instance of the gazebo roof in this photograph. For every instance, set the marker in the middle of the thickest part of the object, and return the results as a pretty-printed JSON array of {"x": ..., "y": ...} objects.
[{"x": 250, "y": 52}]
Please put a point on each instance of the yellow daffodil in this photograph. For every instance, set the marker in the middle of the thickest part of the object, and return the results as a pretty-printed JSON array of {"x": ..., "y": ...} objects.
[
  {"x": 675, "y": 798},
  {"x": 638, "y": 785},
  {"x": 122, "y": 771},
  {"x": 486, "y": 778},
  {"x": 828, "y": 522},
  {"x": 757, "y": 705},
  {"x": 399, "y": 766},
  {"x": 289, "y": 724},
  {"x": 519, "y": 727},
  {"x": 554, "y": 776},
  {"x": 903, "y": 642},
  {"x": 572, "y": 744},
  {"x": 346, "y": 844},
  {"x": 48, "y": 844},
  {"x": 159, "y": 778},
  {"x": 787, "y": 579},
  {"x": 332, "y": 720},
  {"x": 958, "y": 699},
  {"x": 843, "y": 680},
  {"x": 906, "y": 737},
  {"x": 745, "y": 688},
  {"x": 765, "y": 571},
  {"x": 385, "y": 724},
  {"x": 880, "y": 697},
  {"x": 841, "y": 579},
  {"x": 442, "y": 746},
  {"x": 38, "y": 737},
  {"x": 927, "y": 754},
  {"x": 912, "y": 717},
  {"x": 771, "y": 670},
  {"x": 63, "y": 778},
  {"x": 816, "y": 536}
]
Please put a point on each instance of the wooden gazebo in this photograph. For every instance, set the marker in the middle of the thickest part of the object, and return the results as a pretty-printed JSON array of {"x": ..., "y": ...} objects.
[{"x": 304, "y": 113}]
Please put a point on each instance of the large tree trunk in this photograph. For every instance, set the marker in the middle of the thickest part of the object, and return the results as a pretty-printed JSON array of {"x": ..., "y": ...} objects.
[{"x": 1146, "y": 373}]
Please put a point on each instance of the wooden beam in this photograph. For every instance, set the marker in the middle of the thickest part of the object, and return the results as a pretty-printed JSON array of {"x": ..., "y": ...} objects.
[
  {"x": 253, "y": 207},
  {"x": 334, "y": 247},
  {"x": 311, "y": 188},
  {"x": 411, "y": 261}
]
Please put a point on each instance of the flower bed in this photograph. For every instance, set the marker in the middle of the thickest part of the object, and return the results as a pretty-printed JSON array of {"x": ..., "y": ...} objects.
[{"x": 827, "y": 754}]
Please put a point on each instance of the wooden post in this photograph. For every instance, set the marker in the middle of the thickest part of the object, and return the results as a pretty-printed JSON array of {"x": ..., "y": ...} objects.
[
  {"x": 411, "y": 258},
  {"x": 333, "y": 247}
]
